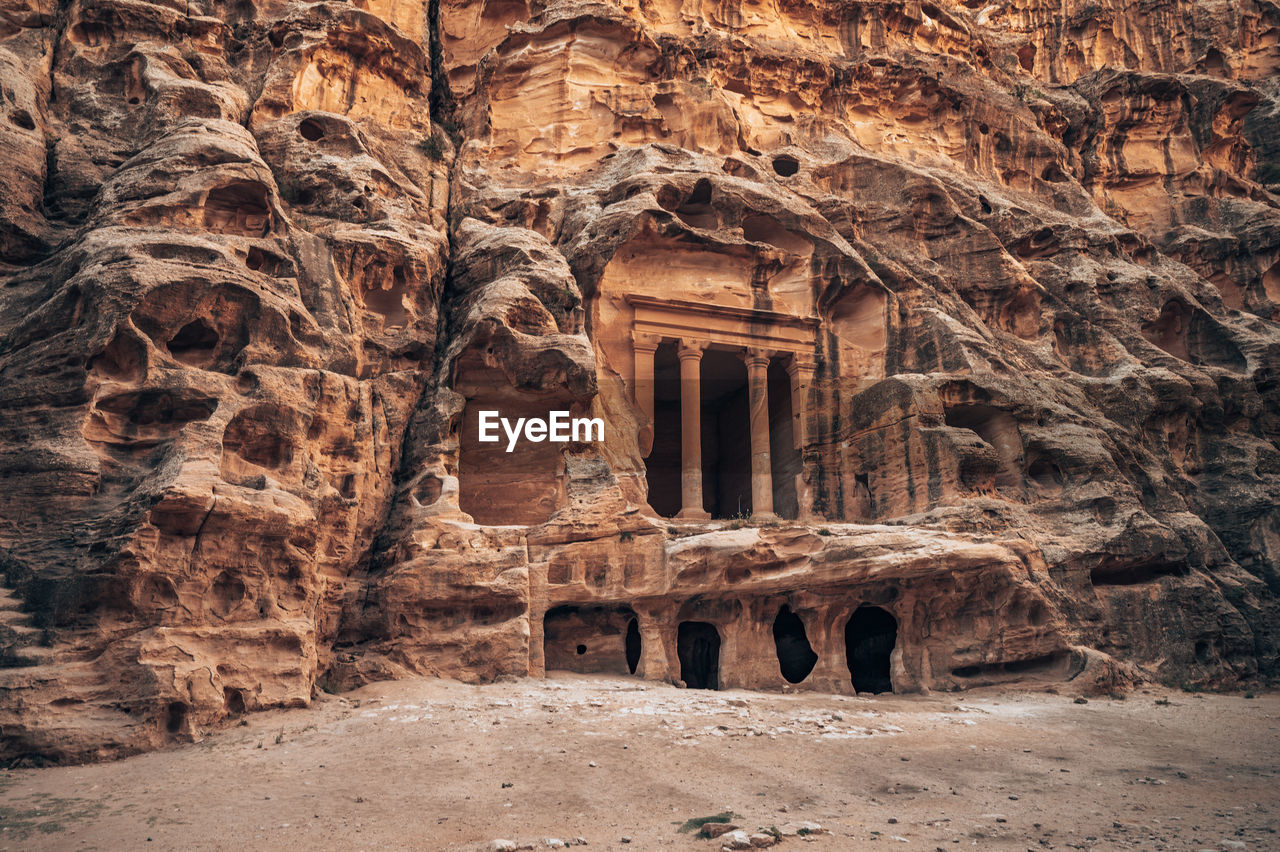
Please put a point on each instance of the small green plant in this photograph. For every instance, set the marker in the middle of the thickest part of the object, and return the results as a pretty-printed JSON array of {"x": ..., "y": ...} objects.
[
  {"x": 280, "y": 737},
  {"x": 1026, "y": 92},
  {"x": 433, "y": 147},
  {"x": 1248, "y": 695},
  {"x": 626, "y": 535},
  {"x": 451, "y": 130},
  {"x": 824, "y": 531},
  {"x": 698, "y": 822},
  {"x": 673, "y": 531}
]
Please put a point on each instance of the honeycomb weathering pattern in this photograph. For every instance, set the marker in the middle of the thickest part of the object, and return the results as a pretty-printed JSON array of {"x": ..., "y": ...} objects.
[{"x": 260, "y": 263}]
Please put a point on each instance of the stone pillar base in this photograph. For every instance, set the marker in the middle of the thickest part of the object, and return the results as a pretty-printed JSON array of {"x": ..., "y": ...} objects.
[{"x": 693, "y": 515}]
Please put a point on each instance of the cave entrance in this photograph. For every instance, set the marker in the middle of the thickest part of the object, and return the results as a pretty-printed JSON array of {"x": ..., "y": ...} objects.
[
  {"x": 796, "y": 657},
  {"x": 698, "y": 647},
  {"x": 725, "y": 437},
  {"x": 633, "y": 644},
  {"x": 869, "y": 638},
  {"x": 590, "y": 639}
]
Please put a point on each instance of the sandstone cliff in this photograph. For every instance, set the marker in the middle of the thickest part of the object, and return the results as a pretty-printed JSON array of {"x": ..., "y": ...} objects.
[{"x": 262, "y": 263}]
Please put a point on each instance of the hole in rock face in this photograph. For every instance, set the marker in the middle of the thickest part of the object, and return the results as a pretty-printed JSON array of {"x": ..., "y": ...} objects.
[
  {"x": 22, "y": 119},
  {"x": 159, "y": 407},
  {"x": 428, "y": 490},
  {"x": 1045, "y": 474},
  {"x": 194, "y": 343},
  {"x": 388, "y": 298},
  {"x": 268, "y": 263},
  {"x": 795, "y": 655},
  {"x": 786, "y": 165},
  {"x": 310, "y": 130},
  {"x": 175, "y": 717},
  {"x": 123, "y": 359},
  {"x": 1000, "y": 430},
  {"x": 226, "y": 594},
  {"x": 1053, "y": 173},
  {"x": 234, "y": 701},
  {"x": 587, "y": 639},
  {"x": 348, "y": 488},
  {"x": 1202, "y": 652},
  {"x": 1114, "y": 571},
  {"x": 238, "y": 208},
  {"x": 698, "y": 647},
  {"x": 256, "y": 435},
  {"x": 1044, "y": 665},
  {"x": 1027, "y": 56},
  {"x": 633, "y": 645},
  {"x": 869, "y": 638},
  {"x": 697, "y": 210}
]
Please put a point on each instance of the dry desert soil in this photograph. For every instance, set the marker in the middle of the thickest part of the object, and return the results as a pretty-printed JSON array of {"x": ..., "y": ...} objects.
[{"x": 435, "y": 764}]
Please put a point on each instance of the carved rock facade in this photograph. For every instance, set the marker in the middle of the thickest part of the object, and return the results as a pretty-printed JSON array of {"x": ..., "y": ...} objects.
[{"x": 973, "y": 310}]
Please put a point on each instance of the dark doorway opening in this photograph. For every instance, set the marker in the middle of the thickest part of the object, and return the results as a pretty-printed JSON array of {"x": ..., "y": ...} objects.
[
  {"x": 786, "y": 462},
  {"x": 726, "y": 435},
  {"x": 588, "y": 639},
  {"x": 662, "y": 465},
  {"x": 698, "y": 647},
  {"x": 633, "y": 645},
  {"x": 795, "y": 655},
  {"x": 869, "y": 638}
]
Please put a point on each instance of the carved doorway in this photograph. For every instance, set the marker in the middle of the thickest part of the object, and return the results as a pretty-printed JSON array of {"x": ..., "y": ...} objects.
[
  {"x": 698, "y": 647},
  {"x": 869, "y": 638}
]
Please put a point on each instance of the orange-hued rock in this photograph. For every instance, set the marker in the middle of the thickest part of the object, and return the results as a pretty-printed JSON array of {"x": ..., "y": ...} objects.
[{"x": 1008, "y": 277}]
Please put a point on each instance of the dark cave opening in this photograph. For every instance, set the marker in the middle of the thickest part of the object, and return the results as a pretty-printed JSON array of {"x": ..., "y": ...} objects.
[
  {"x": 796, "y": 657},
  {"x": 869, "y": 638},
  {"x": 633, "y": 645},
  {"x": 698, "y": 647}
]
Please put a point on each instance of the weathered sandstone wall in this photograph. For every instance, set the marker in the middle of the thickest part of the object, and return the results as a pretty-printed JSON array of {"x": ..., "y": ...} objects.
[{"x": 262, "y": 263}]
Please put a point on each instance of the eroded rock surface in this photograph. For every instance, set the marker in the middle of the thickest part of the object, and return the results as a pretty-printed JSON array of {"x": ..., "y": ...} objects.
[{"x": 263, "y": 264}]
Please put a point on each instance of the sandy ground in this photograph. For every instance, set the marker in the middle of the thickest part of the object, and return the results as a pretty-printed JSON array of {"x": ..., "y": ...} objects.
[{"x": 431, "y": 764}]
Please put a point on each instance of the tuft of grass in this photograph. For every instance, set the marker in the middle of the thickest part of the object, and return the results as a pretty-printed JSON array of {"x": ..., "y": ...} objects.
[
  {"x": 280, "y": 737},
  {"x": 698, "y": 822},
  {"x": 433, "y": 147},
  {"x": 824, "y": 531}
]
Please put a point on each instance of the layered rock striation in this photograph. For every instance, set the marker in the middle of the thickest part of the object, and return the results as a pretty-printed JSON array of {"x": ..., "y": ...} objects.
[{"x": 1009, "y": 274}]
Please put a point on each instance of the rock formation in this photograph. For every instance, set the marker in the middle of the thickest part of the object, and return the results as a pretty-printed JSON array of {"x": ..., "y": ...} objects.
[{"x": 973, "y": 310}]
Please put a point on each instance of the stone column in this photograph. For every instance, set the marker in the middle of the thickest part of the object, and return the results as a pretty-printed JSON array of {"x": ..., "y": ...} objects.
[
  {"x": 690, "y": 353},
  {"x": 644, "y": 346},
  {"x": 757, "y": 361},
  {"x": 800, "y": 369}
]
